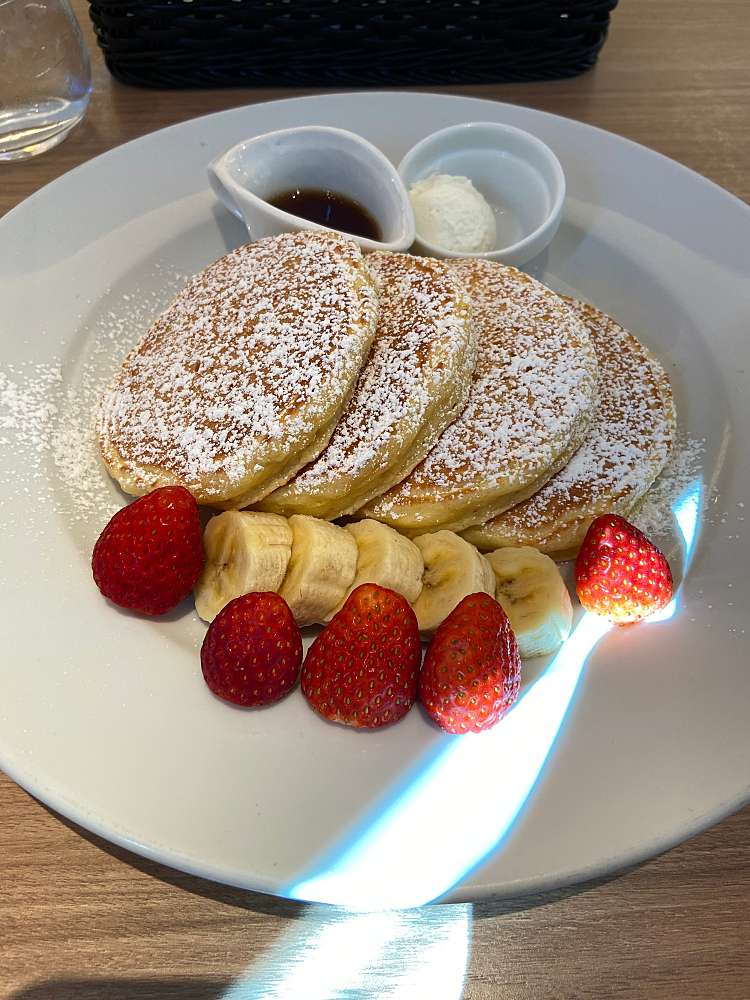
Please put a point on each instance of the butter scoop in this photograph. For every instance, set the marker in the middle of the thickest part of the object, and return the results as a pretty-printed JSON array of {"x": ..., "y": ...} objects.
[
  {"x": 450, "y": 213},
  {"x": 518, "y": 175}
]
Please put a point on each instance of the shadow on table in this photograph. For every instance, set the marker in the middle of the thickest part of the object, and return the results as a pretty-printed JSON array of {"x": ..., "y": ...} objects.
[
  {"x": 230, "y": 895},
  {"x": 124, "y": 989},
  {"x": 280, "y": 907},
  {"x": 422, "y": 952}
]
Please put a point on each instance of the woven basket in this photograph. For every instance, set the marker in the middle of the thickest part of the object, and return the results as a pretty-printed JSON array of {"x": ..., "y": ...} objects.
[{"x": 214, "y": 43}]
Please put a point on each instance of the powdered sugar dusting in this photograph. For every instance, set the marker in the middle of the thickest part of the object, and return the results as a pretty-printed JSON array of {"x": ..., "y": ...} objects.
[
  {"x": 32, "y": 408},
  {"x": 250, "y": 358},
  {"x": 655, "y": 515},
  {"x": 29, "y": 401},
  {"x": 424, "y": 344},
  {"x": 533, "y": 388},
  {"x": 28, "y": 404},
  {"x": 46, "y": 418},
  {"x": 628, "y": 443},
  {"x": 86, "y": 492}
]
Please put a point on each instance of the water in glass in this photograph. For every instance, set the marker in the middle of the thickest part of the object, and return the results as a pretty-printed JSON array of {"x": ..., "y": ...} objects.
[{"x": 45, "y": 77}]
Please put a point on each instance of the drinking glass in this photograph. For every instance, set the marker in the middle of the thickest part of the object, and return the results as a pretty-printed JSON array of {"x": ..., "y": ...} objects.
[{"x": 45, "y": 76}]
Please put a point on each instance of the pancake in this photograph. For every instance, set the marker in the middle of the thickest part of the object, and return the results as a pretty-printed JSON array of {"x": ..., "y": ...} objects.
[
  {"x": 529, "y": 408},
  {"x": 416, "y": 381},
  {"x": 628, "y": 445},
  {"x": 241, "y": 381}
]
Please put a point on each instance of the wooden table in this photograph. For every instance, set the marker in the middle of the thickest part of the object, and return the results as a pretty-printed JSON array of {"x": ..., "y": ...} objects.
[{"x": 79, "y": 918}]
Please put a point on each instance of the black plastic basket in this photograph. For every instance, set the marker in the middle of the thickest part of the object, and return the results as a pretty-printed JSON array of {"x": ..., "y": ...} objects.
[{"x": 353, "y": 43}]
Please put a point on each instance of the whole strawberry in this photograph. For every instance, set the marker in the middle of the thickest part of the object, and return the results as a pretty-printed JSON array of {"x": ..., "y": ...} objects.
[
  {"x": 150, "y": 555},
  {"x": 252, "y": 651},
  {"x": 472, "y": 670},
  {"x": 620, "y": 574},
  {"x": 362, "y": 669}
]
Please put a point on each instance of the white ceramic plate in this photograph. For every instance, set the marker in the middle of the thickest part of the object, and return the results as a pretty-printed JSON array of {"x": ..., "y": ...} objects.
[{"x": 626, "y": 744}]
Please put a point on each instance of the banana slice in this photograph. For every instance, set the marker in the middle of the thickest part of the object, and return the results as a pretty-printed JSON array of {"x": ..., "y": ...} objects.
[
  {"x": 321, "y": 570},
  {"x": 387, "y": 558},
  {"x": 534, "y": 597},
  {"x": 246, "y": 552},
  {"x": 453, "y": 569}
]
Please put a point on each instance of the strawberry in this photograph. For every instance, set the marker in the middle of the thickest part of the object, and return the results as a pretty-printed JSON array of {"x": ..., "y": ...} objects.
[
  {"x": 150, "y": 555},
  {"x": 620, "y": 574},
  {"x": 362, "y": 669},
  {"x": 252, "y": 651},
  {"x": 472, "y": 670}
]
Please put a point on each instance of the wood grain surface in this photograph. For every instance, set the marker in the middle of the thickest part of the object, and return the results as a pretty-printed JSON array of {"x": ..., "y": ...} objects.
[{"x": 82, "y": 919}]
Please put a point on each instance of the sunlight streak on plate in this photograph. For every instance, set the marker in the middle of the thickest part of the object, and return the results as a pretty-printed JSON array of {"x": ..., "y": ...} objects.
[{"x": 461, "y": 804}]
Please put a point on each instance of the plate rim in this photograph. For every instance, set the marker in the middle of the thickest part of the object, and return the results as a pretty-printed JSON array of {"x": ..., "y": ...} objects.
[
  {"x": 175, "y": 859},
  {"x": 353, "y": 94}
]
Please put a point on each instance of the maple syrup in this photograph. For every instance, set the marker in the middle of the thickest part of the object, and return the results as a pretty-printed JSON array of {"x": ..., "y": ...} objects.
[{"x": 330, "y": 209}]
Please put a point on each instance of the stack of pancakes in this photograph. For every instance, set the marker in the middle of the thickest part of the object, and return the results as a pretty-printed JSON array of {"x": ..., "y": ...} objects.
[{"x": 298, "y": 377}]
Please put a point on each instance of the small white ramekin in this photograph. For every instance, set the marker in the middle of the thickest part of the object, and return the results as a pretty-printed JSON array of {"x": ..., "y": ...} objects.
[
  {"x": 316, "y": 157},
  {"x": 517, "y": 174}
]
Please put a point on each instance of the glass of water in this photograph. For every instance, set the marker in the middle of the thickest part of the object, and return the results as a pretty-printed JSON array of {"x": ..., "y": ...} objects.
[{"x": 45, "y": 76}]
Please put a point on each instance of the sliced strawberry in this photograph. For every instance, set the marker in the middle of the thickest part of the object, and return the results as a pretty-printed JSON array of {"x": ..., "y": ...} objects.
[
  {"x": 252, "y": 652},
  {"x": 620, "y": 574},
  {"x": 150, "y": 555},
  {"x": 472, "y": 670},
  {"x": 362, "y": 669}
]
